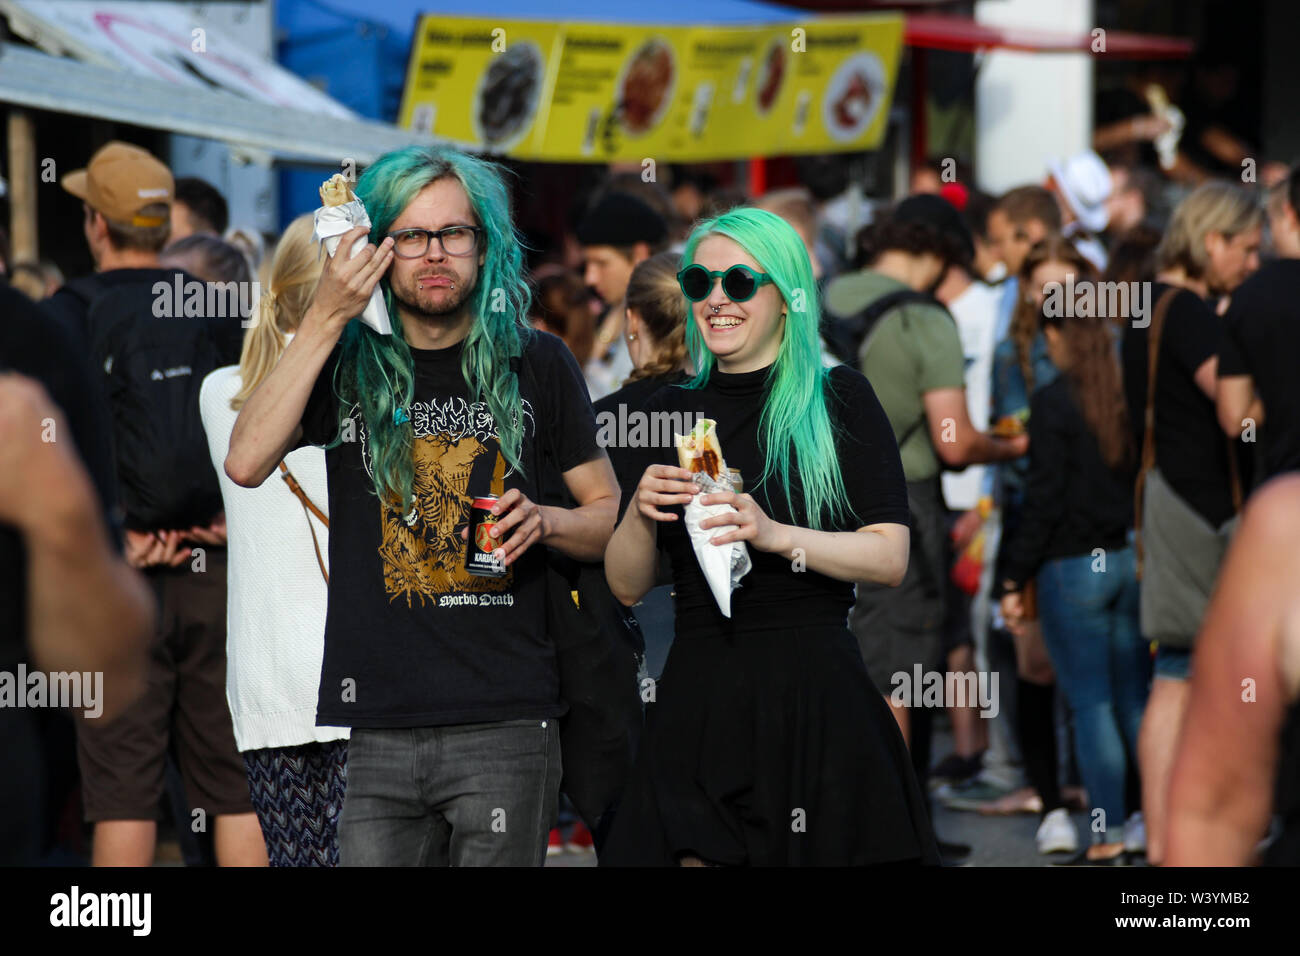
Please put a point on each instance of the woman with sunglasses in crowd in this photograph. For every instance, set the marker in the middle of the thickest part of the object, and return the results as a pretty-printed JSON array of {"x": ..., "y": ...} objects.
[{"x": 766, "y": 742}]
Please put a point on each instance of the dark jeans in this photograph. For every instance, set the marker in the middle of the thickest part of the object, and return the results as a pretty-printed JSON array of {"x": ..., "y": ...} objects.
[
  {"x": 1090, "y": 627},
  {"x": 463, "y": 795}
]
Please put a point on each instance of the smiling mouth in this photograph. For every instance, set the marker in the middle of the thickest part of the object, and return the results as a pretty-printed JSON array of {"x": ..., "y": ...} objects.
[{"x": 717, "y": 322}]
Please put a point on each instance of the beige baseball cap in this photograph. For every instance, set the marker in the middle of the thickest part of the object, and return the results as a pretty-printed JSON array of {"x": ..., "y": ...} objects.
[{"x": 119, "y": 181}]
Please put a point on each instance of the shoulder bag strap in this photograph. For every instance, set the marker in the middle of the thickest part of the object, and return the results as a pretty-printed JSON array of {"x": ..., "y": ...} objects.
[
  {"x": 308, "y": 508},
  {"x": 1149, "y": 432}
]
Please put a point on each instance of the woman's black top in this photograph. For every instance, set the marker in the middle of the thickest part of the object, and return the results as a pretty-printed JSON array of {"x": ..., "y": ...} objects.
[
  {"x": 614, "y": 421},
  {"x": 779, "y": 591},
  {"x": 1074, "y": 502}
]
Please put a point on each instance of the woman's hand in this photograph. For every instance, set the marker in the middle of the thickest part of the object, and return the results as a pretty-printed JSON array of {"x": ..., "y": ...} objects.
[
  {"x": 750, "y": 522},
  {"x": 664, "y": 485}
]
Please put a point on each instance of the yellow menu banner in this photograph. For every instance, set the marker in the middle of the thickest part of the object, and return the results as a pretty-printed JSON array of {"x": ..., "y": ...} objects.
[{"x": 604, "y": 92}]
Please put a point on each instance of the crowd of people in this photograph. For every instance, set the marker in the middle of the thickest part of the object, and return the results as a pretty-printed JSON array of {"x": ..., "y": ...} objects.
[{"x": 1042, "y": 436}]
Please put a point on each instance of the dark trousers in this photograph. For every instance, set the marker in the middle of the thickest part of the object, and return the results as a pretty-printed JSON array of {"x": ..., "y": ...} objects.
[{"x": 462, "y": 795}]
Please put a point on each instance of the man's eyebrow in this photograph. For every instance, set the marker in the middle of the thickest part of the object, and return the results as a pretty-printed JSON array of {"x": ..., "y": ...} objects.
[{"x": 450, "y": 225}]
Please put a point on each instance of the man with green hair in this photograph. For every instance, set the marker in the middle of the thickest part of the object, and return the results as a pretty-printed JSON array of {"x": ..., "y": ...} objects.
[{"x": 447, "y": 679}]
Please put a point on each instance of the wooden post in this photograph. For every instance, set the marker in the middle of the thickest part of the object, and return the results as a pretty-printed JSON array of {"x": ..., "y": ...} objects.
[{"x": 23, "y": 241}]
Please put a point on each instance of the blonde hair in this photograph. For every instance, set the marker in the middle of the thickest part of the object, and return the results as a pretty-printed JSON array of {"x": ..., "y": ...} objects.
[
  {"x": 653, "y": 292},
  {"x": 288, "y": 280},
  {"x": 795, "y": 205},
  {"x": 1212, "y": 207}
]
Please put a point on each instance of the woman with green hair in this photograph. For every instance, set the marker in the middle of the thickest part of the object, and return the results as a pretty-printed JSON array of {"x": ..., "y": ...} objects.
[{"x": 766, "y": 742}]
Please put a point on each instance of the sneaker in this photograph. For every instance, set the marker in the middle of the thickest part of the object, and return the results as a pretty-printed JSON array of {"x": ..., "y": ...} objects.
[
  {"x": 554, "y": 845},
  {"x": 1135, "y": 833},
  {"x": 955, "y": 769},
  {"x": 968, "y": 795},
  {"x": 1056, "y": 834},
  {"x": 580, "y": 840}
]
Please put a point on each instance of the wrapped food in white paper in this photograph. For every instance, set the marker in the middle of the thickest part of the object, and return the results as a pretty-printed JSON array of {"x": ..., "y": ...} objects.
[
  {"x": 723, "y": 564},
  {"x": 341, "y": 211}
]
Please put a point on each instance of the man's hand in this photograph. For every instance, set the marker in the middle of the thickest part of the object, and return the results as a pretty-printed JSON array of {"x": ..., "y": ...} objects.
[
  {"x": 522, "y": 524},
  {"x": 345, "y": 284},
  {"x": 147, "y": 549},
  {"x": 965, "y": 528},
  {"x": 214, "y": 535},
  {"x": 1013, "y": 610}
]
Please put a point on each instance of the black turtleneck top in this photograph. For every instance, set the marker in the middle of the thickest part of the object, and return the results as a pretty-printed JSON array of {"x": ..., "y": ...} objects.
[{"x": 779, "y": 591}]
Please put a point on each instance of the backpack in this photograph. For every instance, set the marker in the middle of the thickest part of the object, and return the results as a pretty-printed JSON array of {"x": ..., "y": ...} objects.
[
  {"x": 844, "y": 336},
  {"x": 153, "y": 369}
]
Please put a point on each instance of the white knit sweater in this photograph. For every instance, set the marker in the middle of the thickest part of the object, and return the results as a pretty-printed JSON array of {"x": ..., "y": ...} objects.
[{"x": 275, "y": 598}]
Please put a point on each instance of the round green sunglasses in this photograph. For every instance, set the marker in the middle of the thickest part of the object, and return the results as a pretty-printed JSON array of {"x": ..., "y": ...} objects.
[{"x": 739, "y": 283}]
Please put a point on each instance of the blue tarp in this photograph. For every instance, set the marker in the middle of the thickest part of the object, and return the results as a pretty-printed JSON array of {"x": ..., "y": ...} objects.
[
  {"x": 400, "y": 15},
  {"x": 357, "y": 51}
]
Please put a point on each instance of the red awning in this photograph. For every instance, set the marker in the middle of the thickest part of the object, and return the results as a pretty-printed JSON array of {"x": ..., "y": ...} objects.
[{"x": 964, "y": 35}]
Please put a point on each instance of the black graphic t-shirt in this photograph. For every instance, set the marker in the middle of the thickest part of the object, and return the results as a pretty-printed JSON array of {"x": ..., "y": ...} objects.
[
  {"x": 411, "y": 638},
  {"x": 776, "y": 592}
]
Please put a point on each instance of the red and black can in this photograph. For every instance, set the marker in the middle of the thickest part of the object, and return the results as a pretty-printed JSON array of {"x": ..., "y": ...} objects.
[{"x": 479, "y": 547}]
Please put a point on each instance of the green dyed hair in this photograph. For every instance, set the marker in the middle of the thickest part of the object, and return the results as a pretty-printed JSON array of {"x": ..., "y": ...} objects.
[
  {"x": 795, "y": 426},
  {"x": 377, "y": 371}
]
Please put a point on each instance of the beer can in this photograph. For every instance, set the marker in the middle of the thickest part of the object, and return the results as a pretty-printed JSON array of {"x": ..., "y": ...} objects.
[{"x": 479, "y": 547}]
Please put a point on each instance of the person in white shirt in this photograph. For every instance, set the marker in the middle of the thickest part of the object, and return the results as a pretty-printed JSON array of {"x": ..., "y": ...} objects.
[{"x": 276, "y": 598}]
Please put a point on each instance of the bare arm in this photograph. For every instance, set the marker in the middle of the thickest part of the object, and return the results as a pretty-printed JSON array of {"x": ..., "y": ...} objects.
[
  {"x": 630, "y": 554},
  {"x": 583, "y": 532},
  {"x": 269, "y": 424},
  {"x": 87, "y": 610},
  {"x": 1222, "y": 784},
  {"x": 875, "y": 554},
  {"x": 955, "y": 438},
  {"x": 1234, "y": 401}
]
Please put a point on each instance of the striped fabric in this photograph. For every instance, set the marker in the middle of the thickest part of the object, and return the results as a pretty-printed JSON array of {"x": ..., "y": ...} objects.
[{"x": 298, "y": 795}]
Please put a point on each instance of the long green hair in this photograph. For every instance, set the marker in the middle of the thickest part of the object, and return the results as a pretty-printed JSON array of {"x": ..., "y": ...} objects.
[
  {"x": 377, "y": 371},
  {"x": 795, "y": 428}
]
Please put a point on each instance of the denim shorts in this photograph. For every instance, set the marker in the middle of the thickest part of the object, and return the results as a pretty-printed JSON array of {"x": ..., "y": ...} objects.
[{"x": 1173, "y": 663}]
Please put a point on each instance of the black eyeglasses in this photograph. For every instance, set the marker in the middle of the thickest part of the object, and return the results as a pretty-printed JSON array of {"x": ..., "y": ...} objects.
[
  {"x": 454, "y": 241},
  {"x": 739, "y": 283}
]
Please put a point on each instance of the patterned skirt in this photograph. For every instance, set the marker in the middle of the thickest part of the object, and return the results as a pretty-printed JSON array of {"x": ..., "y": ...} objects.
[{"x": 298, "y": 796}]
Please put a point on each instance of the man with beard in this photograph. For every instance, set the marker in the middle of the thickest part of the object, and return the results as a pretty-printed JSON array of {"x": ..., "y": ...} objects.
[{"x": 447, "y": 679}]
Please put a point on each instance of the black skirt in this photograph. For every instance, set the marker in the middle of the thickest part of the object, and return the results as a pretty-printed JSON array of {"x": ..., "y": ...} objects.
[{"x": 772, "y": 748}]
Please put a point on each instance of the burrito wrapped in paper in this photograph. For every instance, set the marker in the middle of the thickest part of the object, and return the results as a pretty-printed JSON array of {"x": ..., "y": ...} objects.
[
  {"x": 340, "y": 211},
  {"x": 723, "y": 564}
]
